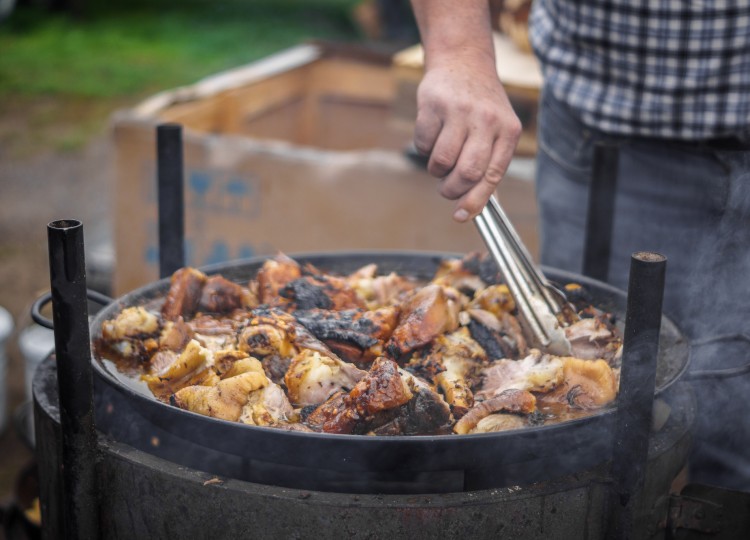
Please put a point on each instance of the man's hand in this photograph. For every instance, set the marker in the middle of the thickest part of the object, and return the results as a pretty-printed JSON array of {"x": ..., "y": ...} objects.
[
  {"x": 465, "y": 123},
  {"x": 467, "y": 126}
]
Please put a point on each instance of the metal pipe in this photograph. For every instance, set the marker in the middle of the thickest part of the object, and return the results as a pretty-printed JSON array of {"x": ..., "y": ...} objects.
[
  {"x": 169, "y": 154},
  {"x": 74, "y": 378},
  {"x": 636, "y": 397},
  {"x": 601, "y": 211}
]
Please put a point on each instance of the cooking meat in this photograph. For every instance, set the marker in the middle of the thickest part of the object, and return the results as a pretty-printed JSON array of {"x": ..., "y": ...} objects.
[
  {"x": 322, "y": 292},
  {"x": 592, "y": 338},
  {"x": 184, "y": 294},
  {"x": 273, "y": 276},
  {"x": 587, "y": 384},
  {"x": 305, "y": 350},
  {"x": 219, "y": 295},
  {"x": 379, "y": 291},
  {"x": 429, "y": 313},
  {"x": 225, "y": 400},
  {"x": 538, "y": 372},
  {"x": 499, "y": 422},
  {"x": 175, "y": 335},
  {"x": 453, "y": 273},
  {"x": 192, "y": 367},
  {"x": 132, "y": 333},
  {"x": 381, "y": 389},
  {"x": 355, "y": 335},
  {"x": 512, "y": 400},
  {"x": 312, "y": 377},
  {"x": 461, "y": 359},
  {"x": 268, "y": 406}
]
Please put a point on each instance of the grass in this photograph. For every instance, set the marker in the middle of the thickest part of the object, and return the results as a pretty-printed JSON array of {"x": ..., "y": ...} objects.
[{"x": 123, "y": 50}]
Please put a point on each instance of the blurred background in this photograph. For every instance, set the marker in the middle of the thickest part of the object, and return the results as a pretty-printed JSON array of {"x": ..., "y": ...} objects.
[{"x": 297, "y": 116}]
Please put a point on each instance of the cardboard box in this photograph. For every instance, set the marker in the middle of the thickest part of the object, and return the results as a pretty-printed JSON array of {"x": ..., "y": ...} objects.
[{"x": 299, "y": 152}]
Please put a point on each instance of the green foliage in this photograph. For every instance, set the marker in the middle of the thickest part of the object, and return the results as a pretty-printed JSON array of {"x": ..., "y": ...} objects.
[{"x": 136, "y": 47}]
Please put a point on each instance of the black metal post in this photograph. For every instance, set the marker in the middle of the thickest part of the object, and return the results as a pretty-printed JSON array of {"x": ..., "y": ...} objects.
[
  {"x": 601, "y": 210},
  {"x": 637, "y": 378},
  {"x": 171, "y": 198},
  {"x": 74, "y": 378}
]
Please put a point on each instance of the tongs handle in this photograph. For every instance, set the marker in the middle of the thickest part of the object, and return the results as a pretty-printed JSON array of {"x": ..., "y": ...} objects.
[{"x": 543, "y": 309}]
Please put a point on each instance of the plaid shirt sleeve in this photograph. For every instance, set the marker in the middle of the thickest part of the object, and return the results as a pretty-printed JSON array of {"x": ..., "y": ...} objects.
[{"x": 675, "y": 69}]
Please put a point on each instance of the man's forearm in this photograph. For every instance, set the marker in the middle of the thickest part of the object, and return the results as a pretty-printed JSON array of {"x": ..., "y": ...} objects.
[{"x": 449, "y": 28}]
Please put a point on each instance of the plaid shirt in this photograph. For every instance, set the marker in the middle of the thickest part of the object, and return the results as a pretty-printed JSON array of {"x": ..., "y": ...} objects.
[{"x": 677, "y": 69}]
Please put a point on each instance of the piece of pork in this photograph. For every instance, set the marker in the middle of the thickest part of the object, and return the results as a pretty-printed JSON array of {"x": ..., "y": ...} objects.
[
  {"x": 184, "y": 294},
  {"x": 592, "y": 338},
  {"x": 268, "y": 406},
  {"x": 313, "y": 377},
  {"x": 498, "y": 333},
  {"x": 512, "y": 401},
  {"x": 132, "y": 334},
  {"x": 219, "y": 295},
  {"x": 355, "y": 335},
  {"x": 321, "y": 291},
  {"x": 379, "y": 291},
  {"x": 587, "y": 384},
  {"x": 274, "y": 275},
  {"x": 381, "y": 389},
  {"x": 192, "y": 367},
  {"x": 460, "y": 359},
  {"x": 225, "y": 400},
  {"x": 427, "y": 314},
  {"x": 537, "y": 372}
]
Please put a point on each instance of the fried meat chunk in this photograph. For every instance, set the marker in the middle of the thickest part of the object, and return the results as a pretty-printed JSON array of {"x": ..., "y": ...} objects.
[
  {"x": 275, "y": 274},
  {"x": 381, "y": 389},
  {"x": 587, "y": 384},
  {"x": 225, "y": 400},
  {"x": 313, "y": 377},
  {"x": 513, "y": 401},
  {"x": 461, "y": 359},
  {"x": 592, "y": 338},
  {"x": 426, "y": 315},
  {"x": 191, "y": 367},
  {"x": 379, "y": 291},
  {"x": 184, "y": 294},
  {"x": 132, "y": 334},
  {"x": 219, "y": 295},
  {"x": 355, "y": 335},
  {"x": 538, "y": 372}
]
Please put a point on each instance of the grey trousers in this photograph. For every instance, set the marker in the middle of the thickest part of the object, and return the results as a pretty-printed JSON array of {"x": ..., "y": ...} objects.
[{"x": 691, "y": 203}]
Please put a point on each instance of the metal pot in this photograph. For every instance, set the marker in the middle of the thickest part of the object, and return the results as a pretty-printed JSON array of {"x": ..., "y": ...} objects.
[{"x": 128, "y": 412}]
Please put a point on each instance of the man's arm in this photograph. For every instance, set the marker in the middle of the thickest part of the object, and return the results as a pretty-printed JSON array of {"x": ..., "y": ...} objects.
[{"x": 465, "y": 122}]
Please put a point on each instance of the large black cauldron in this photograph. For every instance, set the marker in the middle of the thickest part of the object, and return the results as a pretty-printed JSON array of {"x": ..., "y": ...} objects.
[{"x": 126, "y": 411}]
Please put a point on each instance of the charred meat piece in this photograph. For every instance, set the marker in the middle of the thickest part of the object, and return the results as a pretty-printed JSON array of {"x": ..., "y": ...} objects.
[
  {"x": 355, "y": 335},
  {"x": 513, "y": 401},
  {"x": 192, "y": 367},
  {"x": 499, "y": 333},
  {"x": 426, "y": 413},
  {"x": 132, "y": 334},
  {"x": 321, "y": 291},
  {"x": 184, "y": 294},
  {"x": 225, "y": 359},
  {"x": 313, "y": 377},
  {"x": 220, "y": 295},
  {"x": 226, "y": 400},
  {"x": 381, "y": 389},
  {"x": 454, "y": 273},
  {"x": 276, "y": 366},
  {"x": 269, "y": 332},
  {"x": 587, "y": 384},
  {"x": 379, "y": 291},
  {"x": 461, "y": 358},
  {"x": 425, "y": 316},
  {"x": 175, "y": 335},
  {"x": 592, "y": 338},
  {"x": 273, "y": 276},
  {"x": 538, "y": 372}
]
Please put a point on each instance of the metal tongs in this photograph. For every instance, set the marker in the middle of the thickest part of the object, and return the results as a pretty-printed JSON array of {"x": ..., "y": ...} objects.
[{"x": 543, "y": 310}]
